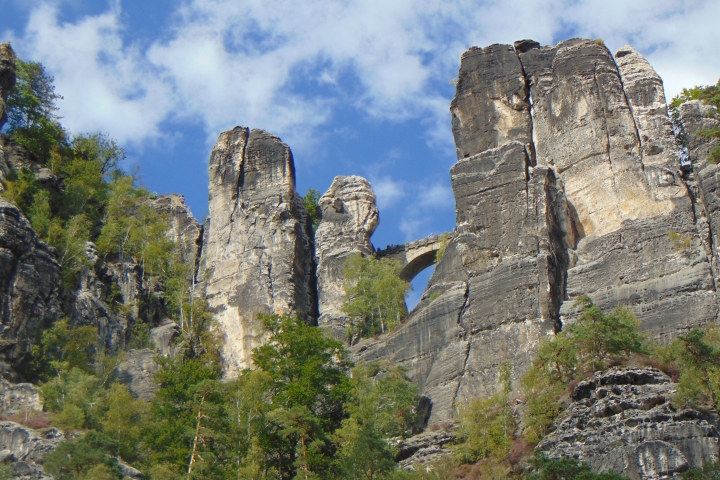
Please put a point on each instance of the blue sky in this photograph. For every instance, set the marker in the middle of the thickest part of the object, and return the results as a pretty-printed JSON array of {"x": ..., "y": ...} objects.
[{"x": 354, "y": 87}]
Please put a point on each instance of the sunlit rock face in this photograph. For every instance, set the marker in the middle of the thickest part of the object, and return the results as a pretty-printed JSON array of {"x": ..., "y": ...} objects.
[
  {"x": 257, "y": 253},
  {"x": 348, "y": 218},
  {"x": 567, "y": 184}
]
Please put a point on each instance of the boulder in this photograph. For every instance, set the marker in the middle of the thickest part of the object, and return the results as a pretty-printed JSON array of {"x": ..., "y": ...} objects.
[
  {"x": 623, "y": 420},
  {"x": 257, "y": 255},
  {"x": 348, "y": 218}
]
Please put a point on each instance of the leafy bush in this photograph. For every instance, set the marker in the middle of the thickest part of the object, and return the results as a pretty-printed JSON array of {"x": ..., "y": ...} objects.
[
  {"x": 487, "y": 426},
  {"x": 566, "y": 469}
]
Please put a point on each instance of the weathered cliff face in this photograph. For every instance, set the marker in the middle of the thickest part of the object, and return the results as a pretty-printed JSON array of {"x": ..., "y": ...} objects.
[
  {"x": 29, "y": 284},
  {"x": 348, "y": 218},
  {"x": 623, "y": 421},
  {"x": 185, "y": 230},
  {"x": 257, "y": 254},
  {"x": 567, "y": 184}
]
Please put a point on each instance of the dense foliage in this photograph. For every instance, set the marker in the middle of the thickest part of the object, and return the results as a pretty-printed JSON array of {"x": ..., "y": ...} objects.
[
  {"x": 710, "y": 95},
  {"x": 301, "y": 413},
  {"x": 375, "y": 295}
]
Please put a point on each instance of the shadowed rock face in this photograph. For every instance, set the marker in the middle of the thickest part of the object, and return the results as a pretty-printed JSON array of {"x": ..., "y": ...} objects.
[
  {"x": 348, "y": 218},
  {"x": 567, "y": 184},
  {"x": 257, "y": 252},
  {"x": 29, "y": 284},
  {"x": 622, "y": 420}
]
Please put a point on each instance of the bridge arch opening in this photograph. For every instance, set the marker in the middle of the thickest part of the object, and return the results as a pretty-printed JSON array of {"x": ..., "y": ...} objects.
[{"x": 418, "y": 264}]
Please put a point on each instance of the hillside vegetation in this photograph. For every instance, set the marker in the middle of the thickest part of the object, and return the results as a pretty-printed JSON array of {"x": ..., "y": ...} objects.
[{"x": 305, "y": 411}]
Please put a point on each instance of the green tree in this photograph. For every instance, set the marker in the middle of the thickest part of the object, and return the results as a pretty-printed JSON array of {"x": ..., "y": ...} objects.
[
  {"x": 31, "y": 110},
  {"x": 307, "y": 377},
  {"x": 487, "y": 426},
  {"x": 311, "y": 200},
  {"x": 566, "y": 469},
  {"x": 375, "y": 295},
  {"x": 92, "y": 456},
  {"x": 383, "y": 405},
  {"x": 590, "y": 344},
  {"x": 696, "y": 355},
  {"x": 709, "y": 471}
]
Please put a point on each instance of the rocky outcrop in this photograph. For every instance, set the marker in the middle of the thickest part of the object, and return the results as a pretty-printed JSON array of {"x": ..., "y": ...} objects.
[
  {"x": 567, "y": 184},
  {"x": 423, "y": 449},
  {"x": 25, "y": 449},
  {"x": 18, "y": 398},
  {"x": 7, "y": 78},
  {"x": 622, "y": 420},
  {"x": 185, "y": 231},
  {"x": 137, "y": 371},
  {"x": 92, "y": 303},
  {"x": 606, "y": 133},
  {"x": 694, "y": 116},
  {"x": 257, "y": 251},
  {"x": 29, "y": 283},
  {"x": 348, "y": 218}
]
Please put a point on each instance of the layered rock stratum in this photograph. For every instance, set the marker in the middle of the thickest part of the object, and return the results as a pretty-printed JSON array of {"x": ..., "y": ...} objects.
[
  {"x": 623, "y": 421},
  {"x": 567, "y": 184}
]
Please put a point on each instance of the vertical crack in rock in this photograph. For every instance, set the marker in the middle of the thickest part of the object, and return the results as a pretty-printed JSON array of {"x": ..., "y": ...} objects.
[
  {"x": 603, "y": 104},
  {"x": 468, "y": 336},
  {"x": 257, "y": 253}
]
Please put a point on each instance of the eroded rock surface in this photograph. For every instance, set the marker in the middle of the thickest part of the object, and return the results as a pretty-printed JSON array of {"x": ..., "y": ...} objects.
[
  {"x": 622, "y": 420},
  {"x": 257, "y": 251},
  {"x": 185, "y": 230},
  {"x": 424, "y": 448},
  {"x": 25, "y": 449},
  {"x": 137, "y": 371},
  {"x": 348, "y": 218},
  {"x": 567, "y": 184},
  {"x": 29, "y": 284},
  {"x": 18, "y": 398}
]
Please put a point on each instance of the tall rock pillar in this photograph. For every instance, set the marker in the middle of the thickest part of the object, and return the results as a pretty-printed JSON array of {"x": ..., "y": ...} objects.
[
  {"x": 257, "y": 254},
  {"x": 348, "y": 218}
]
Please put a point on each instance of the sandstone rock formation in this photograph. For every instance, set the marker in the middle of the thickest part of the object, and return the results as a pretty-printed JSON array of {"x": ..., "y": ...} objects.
[
  {"x": 29, "y": 283},
  {"x": 25, "y": 449},
  {"x": 567, "y": 184},
  {"x": 424, "y": 448},
  {"x": 257, "y": 254},
  {"x": 137, "y": 371},
  {"x": 185, "y": 231},
  {"x": 348, "y": 218},
  {"x": 622, "y": 420},
  {"x": 18, "y": 398}
]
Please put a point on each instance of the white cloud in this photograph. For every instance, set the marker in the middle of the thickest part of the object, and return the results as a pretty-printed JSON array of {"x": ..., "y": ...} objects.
[
  {"x": 224, "y": 62},
  {"x": 388, "y": 191},
  {"x": 106, "y": 83}
]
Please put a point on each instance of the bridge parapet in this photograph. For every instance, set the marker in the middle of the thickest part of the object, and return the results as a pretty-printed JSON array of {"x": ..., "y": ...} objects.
[{"x": 414, "y": 256}]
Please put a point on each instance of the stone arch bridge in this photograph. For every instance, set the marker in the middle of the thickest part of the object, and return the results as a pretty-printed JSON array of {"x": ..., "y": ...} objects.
[{"x": 414, "y": 256}]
